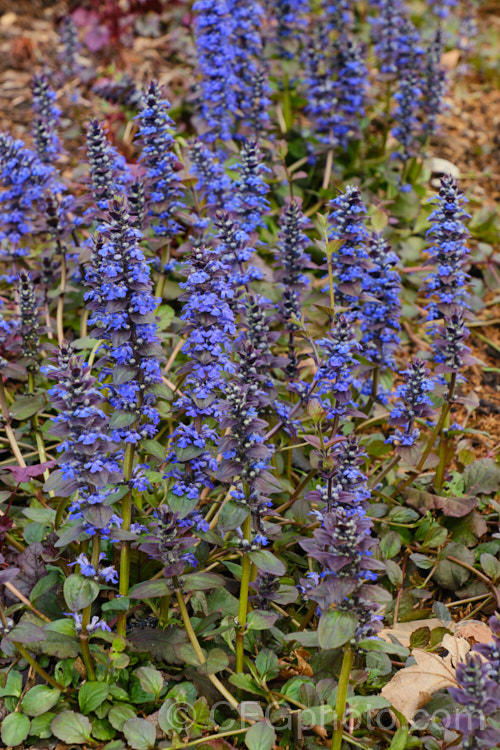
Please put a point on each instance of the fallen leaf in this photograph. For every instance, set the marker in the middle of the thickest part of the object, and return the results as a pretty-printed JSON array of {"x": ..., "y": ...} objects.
[
  {"x": 456, "y": 646},
  {"x": 449, "y": 60},
  {"x": 303, "y": 665},
  {"x": 412, "y": 687},
  {"x": 403, "y": 630},
  {"x": 474, "y": 629}
]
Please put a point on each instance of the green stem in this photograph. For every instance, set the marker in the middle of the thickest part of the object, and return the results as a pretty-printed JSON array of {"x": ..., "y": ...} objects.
[
  {"x": 435, "y": 433},
  {"x": 84, "y": 639},
  {"x": 7, "y": 427},
  {"x": 38, "y": 669},
  {"x": 243, "y": 608},
  {"x": 125, "y": 547},
  {"x": 36, "y": 429},
  {"x": 60, "y": 512},
  {"x": 196, "y": 645},
  {"x": 341, "y": 701},
  {"x": 60, "y": 299}
]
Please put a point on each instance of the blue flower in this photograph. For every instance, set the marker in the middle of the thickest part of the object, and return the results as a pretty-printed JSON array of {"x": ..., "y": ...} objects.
[
  {"x": 380, "y": 314},
  {"x": 350, "y": 261},
  {"x": 25, "y": 180},
  {"x": 163, "y": 188},
  {"x": 68, "y": 34},
  {"x": 209, "y": 329},
  {"x": 250, "y": 202},
  {"x": 122, "y": 309},
  {"x": 108, "y": 169},
  {"x": 47, "y": 116},
  {"x": 88, "y": 462},
  {"x": 216, "y": 60},
  {"x": 412, "y": 403},
  {"x": 343, "y": 545},
  {"x": 336, "y": 374},
  {"x": 433, "y": 84},
  {"x": 29, "y": 324}
]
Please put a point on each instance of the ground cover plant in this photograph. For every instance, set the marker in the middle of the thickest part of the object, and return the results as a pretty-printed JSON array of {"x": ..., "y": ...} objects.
[{"x": 248, "y": 498}]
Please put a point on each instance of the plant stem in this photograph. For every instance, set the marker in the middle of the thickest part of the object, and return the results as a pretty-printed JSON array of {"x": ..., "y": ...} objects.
[
  {"x": 13, "y": 590},
  {"x": 84, "y": 639},
  {"x": 36, "y": 429},
  {"x": 125, "y": 547},
  {"x": 38, "y": 669},
  {"x": 341, "y": 701},
  {"x": 436, "y": 431},
  {"x": 8, "y": 429},
  {"x": 60, "y": 299},
  {"x": 243, "y": 608},
  {"x": 196, "y": 645}
]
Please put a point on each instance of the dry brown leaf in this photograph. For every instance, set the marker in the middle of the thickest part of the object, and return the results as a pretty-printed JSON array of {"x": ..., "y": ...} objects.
[
  {"x": 474, "y": 629},
  {"x": 303, "y": 665},
  {"x": 477, "y": 631},
  {"x": 412, "y": 687},
  {"x": 457, "y": 648},
  {"x": 449, "y": 60}
]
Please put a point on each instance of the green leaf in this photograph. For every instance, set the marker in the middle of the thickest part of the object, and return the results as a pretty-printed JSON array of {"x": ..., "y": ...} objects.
[
  {"x": 150, "y": 589},
  {"x": 154, "y": 448},
  {"x": 307, "y": 638},
  {"x": 398, "y": 742},
  {"x": 482, "y": 476},
  {"x": 435, "y": 537},
  {"x": 91, "y": 695},
  {"x": 394, "y": 572},
  {"x": 114, "y": 745},
  {"x": 120, "y": 419},
  {"x": 44, "y": 584},
  {"x": 263, "y": 559},
  {"x": 102, "y": 729},
  {"x": 40, "y": 515},
  {"x": 27, "y": 406},
  {"x": 118, "y": 604},
  {"x": 260, "y": 736},
  {"x": 490, "y": 565},
  {"x": 151, "y": 680},
  {"x": 259, "y": 619},
  {"x": 13, "y": 686},
  {"x": 39, "y": 699},
  {"x": 451, "y": 575},
  {"x": 166, "y": 315},
  {"x": 336, "y": 628},
  {"x": 139, "y": 733},
  {"x": 217, "y": 660},
  {"x": 119, "y": 714},
  {"x": 26, "y": 632},
  {"x": 202, "y": 581},
  {"x": 420, "y": 638},
  {"x": 378, "y": 644},
  {"x": 168, "y": 716},
  {"x": 40, "y": 725},
  {"x": 15, "y": 729},
  {"x": 390, "y": 544},
  {"x": 79, "y": 592},
  {"x": 71, "y": 727}
]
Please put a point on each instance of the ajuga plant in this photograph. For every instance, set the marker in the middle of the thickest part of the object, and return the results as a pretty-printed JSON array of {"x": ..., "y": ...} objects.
[
  {"x": 478, "y": 694},
  {"x": 235, "y": 347},
  {"x": 216, "y": 60},
  {"x": 108, "y": 172},
  {"x": 157, "y": 157},
  {"x": 46, "y": 120}
]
